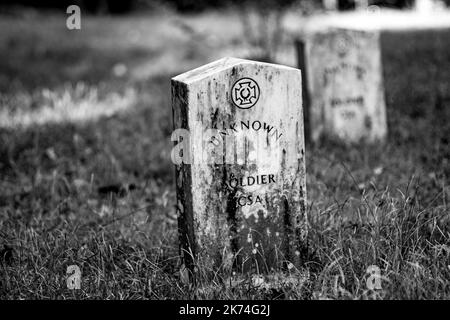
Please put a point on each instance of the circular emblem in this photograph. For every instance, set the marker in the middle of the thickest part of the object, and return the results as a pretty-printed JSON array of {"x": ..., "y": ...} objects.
[
  {"x": 245, "y": 93},
  {"x": 343, "y": 44}
]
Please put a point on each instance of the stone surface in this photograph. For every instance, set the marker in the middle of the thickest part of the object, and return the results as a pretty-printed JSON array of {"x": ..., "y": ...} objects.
[
  {"x": 344, "y": 84},
  {"x": 240, "y": 189}
]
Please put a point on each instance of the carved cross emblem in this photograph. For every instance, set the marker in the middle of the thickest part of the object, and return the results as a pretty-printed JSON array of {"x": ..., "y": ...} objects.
[{"x": 245, "y": 93}]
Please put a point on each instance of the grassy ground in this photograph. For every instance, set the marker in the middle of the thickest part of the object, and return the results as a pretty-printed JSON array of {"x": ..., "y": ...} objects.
[{"x": 95, "y": 187}]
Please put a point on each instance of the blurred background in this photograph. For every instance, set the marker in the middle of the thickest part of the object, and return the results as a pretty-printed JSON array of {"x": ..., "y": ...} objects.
[
  {"x": 110, "y": 6},
  {"x": 85, "y": 125}
]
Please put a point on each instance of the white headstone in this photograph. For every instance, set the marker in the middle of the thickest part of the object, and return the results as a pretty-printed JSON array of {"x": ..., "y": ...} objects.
[
  {"x": 344, "y": 84},
  {"x": 240, "y": 165}
]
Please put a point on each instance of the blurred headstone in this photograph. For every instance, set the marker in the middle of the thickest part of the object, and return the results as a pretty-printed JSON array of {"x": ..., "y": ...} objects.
[
  {"x": 344, "y": 91},
  {"x": 241, "y": 179}
]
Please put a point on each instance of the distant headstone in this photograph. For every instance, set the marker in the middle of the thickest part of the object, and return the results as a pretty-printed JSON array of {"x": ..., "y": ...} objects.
[
  {"x": 344, "y": 86},
  {"x": 240, "y": 165}
]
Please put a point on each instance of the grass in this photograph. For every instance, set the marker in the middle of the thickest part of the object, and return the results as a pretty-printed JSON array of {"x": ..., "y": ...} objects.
[{"x": 98, "y": 191}]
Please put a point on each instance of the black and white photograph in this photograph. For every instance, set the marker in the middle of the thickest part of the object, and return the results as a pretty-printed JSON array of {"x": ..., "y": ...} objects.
[{"x": 242, "y": 152}]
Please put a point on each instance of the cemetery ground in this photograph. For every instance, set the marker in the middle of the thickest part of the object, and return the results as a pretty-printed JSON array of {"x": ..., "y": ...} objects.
[{"x": 86, "y": 176}]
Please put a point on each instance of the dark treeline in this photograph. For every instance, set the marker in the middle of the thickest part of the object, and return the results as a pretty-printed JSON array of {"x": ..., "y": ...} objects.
[
  {"x": 115, "y": 6},
  {"x": 93, "y": 6}
]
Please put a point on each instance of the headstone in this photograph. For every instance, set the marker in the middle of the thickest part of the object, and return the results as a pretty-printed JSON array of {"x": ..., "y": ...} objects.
[
  {"x": 240, "y": 166},
  {"x": 344, "y": 85}
]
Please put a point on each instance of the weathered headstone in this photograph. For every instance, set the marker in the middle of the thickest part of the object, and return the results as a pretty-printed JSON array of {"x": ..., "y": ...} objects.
[
  {"x": 344, "y": 84},
  {"x": 240, "y": 165}
]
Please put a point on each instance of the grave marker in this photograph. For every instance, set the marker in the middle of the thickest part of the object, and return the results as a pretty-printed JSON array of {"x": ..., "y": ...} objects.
[
  {"x": 344, "y": 84},
  {"x": 240, "y": 165}
]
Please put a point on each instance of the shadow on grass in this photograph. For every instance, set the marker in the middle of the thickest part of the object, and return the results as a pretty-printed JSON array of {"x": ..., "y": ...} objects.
[{"x": 36, "y": 67}]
